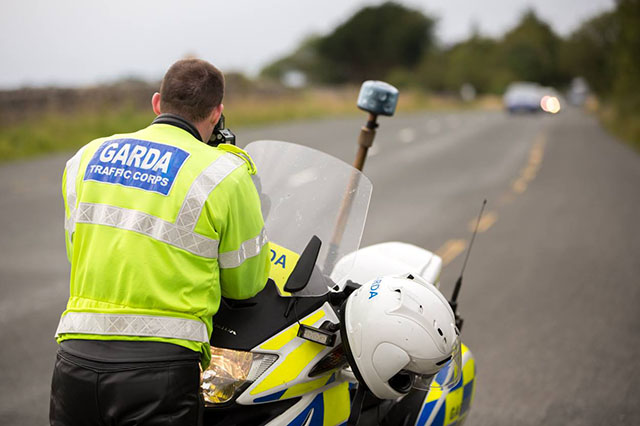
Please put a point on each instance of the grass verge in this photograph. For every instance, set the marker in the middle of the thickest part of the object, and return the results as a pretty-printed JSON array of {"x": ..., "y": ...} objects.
[
  {"x": 624, "y": 125},
  {"x": 56, "y": 132}
]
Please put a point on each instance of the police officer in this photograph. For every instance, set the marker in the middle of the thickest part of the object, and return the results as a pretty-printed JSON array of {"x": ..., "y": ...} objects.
[{"x": 159, "y": 226}]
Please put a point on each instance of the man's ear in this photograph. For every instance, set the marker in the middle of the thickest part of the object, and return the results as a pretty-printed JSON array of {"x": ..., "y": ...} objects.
[
  {"x": 155, "y": 103},
  {"x": 216, "y": 113}
]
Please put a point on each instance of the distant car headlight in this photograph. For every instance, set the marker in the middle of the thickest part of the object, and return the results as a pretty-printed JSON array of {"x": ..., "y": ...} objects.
[
  {"x": 229, "y": 371},
  {"x": 550, "y": 104}
]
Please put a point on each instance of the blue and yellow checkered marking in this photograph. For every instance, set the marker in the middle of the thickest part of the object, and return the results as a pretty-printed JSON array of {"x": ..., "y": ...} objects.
[
  {"x": 269, "y": 398},
  {"x": 329, "y": 408},
  {"x": 457, "y": 401}
]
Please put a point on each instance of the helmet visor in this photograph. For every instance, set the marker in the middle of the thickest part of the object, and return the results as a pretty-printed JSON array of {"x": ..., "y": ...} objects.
[{"x": 447, "y": 378}]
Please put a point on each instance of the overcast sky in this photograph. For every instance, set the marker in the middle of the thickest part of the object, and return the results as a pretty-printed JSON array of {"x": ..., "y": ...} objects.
[{"x": 71, "y": 42}]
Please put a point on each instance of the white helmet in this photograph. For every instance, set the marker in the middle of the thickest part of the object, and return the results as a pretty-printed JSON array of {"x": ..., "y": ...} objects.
[{"x": 398, "y": 332}]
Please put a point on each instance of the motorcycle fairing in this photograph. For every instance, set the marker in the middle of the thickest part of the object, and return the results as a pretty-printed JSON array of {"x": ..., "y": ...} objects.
[
  {"x": 450, "y": 407},
  {"x": 440, "y": 408},
  {"x": 289, "y": 377},
  {"x": 245, "y": 324},
  {"x": 329, "y": 407}
]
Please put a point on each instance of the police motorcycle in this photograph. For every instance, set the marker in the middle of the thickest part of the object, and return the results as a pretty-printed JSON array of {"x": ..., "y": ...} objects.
[{"x": 340, "y": 334}]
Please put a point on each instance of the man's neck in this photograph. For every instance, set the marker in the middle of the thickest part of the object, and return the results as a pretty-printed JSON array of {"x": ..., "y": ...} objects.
[{"x": 177, "y": 121}]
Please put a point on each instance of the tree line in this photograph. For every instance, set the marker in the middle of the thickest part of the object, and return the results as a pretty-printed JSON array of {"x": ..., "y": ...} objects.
[{"x": 398, "y": 44}]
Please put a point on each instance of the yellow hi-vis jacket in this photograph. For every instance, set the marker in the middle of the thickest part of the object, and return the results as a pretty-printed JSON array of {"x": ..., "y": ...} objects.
[{"x": 158, "y": 227}]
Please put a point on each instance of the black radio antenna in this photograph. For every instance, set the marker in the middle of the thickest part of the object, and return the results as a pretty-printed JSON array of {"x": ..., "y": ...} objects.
[{"x": 456, "y": 290}]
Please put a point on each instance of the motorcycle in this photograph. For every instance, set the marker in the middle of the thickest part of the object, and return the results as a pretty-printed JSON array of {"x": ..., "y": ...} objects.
[{"x": 279, "y": 358}]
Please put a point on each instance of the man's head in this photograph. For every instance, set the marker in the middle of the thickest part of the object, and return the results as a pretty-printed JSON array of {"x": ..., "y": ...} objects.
[{"x": 192, "y": 89}]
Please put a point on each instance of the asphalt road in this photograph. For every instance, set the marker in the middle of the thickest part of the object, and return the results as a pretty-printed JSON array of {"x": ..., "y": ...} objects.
[{"x": 551, "y": 291}]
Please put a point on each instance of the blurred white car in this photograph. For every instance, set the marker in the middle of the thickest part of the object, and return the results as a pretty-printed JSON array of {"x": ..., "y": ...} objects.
[
  {"x": 522, "y": 96},
  {"x": 531, "y": 97}
]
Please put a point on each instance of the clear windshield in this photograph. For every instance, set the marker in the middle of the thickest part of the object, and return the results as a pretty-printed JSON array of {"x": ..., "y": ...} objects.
[{"x": 305, "y": 192}]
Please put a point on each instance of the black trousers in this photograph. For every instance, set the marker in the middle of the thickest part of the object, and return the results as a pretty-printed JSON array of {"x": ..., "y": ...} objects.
[{"x": 85, "y": 392}]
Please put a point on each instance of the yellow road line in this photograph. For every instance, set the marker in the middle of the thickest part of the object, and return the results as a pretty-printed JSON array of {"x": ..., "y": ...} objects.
[
  {"x": 486, "y": 222},
  {"x": 536, "y": 154},
  {"x": 450, "y": 250},
  {"x": 530, "y": 170},
  {"x": 519, "y": 186}
]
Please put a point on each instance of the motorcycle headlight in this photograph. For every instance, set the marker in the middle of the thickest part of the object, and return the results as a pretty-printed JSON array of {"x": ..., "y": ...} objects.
[{"x": 229, "y": 371}]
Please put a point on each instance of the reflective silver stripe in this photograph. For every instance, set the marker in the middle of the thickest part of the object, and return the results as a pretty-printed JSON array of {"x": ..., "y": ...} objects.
[
  {"x": 202, "y": 187},
  {"x": 72, "y": 173},
  {"x": 146, "y": 224},
  {"x": 248, "y": 249},
  {"x": 133, "y": 325}
]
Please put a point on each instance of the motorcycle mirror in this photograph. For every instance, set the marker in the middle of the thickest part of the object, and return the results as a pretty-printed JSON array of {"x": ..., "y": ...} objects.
[
  {"x": 378, "y": 98},
  {"x": 301, "y": 273}
]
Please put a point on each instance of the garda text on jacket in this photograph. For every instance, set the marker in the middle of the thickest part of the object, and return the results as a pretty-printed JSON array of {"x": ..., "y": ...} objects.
[{"x": 147, "y": 165}]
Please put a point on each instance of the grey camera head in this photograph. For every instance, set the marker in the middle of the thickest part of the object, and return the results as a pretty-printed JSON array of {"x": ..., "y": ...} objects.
[{"x": 378, "y": 98}]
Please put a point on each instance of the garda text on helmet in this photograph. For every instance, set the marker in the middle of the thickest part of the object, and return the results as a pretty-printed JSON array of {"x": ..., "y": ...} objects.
[
  {"x": 140, "y": 164},
  {"x": 373, "y": 289}
]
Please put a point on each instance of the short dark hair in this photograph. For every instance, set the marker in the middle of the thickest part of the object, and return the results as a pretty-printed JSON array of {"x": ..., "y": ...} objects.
[{"x": 191, "y": 88}]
